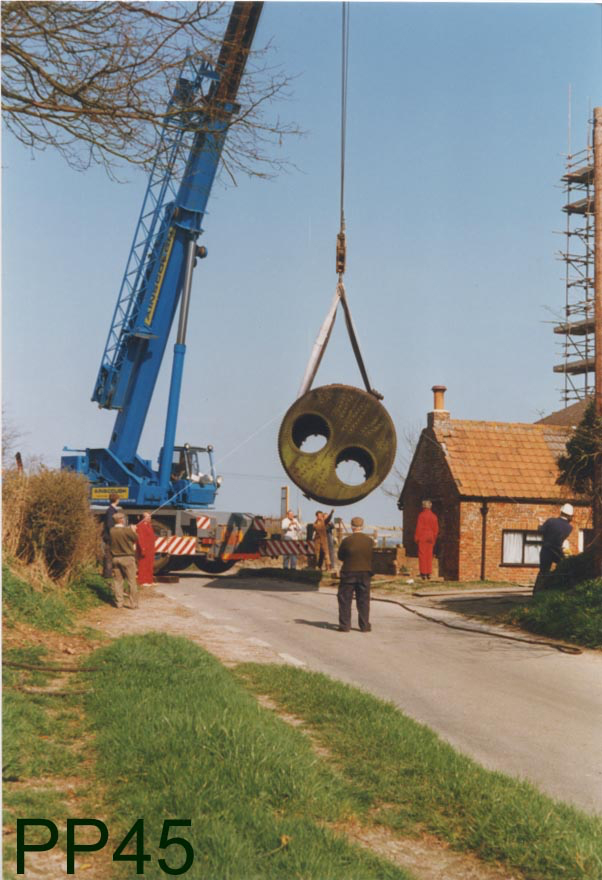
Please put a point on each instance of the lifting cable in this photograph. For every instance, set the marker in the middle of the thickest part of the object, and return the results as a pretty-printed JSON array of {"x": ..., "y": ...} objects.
[
  {"x": 325, "y": 331},
  {"x": 341, "y": 244}
]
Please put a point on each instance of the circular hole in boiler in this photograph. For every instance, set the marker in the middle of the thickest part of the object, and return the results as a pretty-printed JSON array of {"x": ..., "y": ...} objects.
[
  {"x": 354, "y": 466},
  {"x": 310, "y": 432}
]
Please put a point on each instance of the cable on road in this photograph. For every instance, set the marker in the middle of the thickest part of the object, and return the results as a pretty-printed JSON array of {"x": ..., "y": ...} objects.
[{"x": 558, "y": 646}]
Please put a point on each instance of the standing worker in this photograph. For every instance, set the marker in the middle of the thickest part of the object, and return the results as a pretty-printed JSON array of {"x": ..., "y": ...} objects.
[
  {"x": 355, "y": 553},
  {"x": 145, "y": 550},
  {"x": 321, "y": 536},
  {"x": 554, "y": 533},
  {"x": 427, "y": 529},
  {"x": 123, "y": 549},
  {"x": 107, "y": 525},
  {"x": 330, "y": 540},
  {"x": 291, "y": 531}
]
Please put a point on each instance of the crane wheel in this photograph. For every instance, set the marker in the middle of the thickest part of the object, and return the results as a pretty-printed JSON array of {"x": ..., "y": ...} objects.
[
  {"x": 166, "y": 563},
  {"x": 161, "y": 564},
  {"x": 214, "y": 566}
]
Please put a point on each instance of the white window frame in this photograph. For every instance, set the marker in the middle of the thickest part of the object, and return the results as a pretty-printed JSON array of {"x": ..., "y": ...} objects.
[
  {"x": 529, "y": 540},
  {"x": 581, "y": 539}
]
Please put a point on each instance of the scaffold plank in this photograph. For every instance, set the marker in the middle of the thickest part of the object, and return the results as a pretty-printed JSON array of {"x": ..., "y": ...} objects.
[{"x": 576, "y": 368}]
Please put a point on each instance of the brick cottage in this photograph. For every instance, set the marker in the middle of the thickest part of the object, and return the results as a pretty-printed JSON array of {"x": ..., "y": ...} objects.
[{"x": 491, "y": 484}]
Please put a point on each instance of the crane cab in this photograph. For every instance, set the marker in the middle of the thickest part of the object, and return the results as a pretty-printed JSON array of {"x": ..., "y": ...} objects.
[{"x": 188, "y": 464}]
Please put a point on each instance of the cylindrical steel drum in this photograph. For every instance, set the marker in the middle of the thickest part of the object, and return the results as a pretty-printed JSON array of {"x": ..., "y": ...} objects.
[{"x": 355, "y": 427}]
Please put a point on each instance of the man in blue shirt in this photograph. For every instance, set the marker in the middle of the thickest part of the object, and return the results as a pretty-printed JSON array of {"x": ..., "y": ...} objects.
[{"x": 554, "y": 533}]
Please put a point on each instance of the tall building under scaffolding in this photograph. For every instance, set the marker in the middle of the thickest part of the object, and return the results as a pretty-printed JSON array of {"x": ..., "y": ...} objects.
[{"x": 578, "y": 326}]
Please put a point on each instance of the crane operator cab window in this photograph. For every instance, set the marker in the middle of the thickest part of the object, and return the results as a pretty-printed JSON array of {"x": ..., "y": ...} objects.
[
  {"x": 186, "y": 466},
  {"x": 180, "y": 468}
]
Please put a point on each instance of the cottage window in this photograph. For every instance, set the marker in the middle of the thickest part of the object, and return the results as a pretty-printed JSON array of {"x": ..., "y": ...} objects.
[
  {"x": 585, "y": 539},
  {"x": 521, "y": 548}
]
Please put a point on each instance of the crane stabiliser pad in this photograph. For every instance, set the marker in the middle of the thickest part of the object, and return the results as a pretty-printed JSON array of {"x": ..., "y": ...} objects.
[{"x": 355, "y": 427}]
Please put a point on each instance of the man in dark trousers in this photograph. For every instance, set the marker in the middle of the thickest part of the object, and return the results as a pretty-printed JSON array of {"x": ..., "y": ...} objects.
[
  {"x": 123, "y": 550},
  {"x": 355, "y": 553},
  {"x": 108, "y": 521},
  {"x": 554, "y": 533}
]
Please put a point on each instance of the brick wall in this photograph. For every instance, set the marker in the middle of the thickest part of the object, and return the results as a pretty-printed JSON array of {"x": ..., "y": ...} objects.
[
  {"x": 430, "y": 478},
  {"x": 502, "y": 516}
]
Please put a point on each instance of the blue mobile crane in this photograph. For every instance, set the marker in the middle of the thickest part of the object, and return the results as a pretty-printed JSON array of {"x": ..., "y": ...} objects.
[{"x": 157, "y": 279}]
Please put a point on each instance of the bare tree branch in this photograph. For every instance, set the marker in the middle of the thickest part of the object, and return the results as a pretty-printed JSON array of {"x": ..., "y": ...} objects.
[
  {"x": 405, "y": 453},
  {"x": 92, "y": 80},
  {"x": 10, "y": 440}
]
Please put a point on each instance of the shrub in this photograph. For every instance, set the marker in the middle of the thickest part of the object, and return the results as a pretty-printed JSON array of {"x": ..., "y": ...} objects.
[
  {"x": 15, "y": 494},
  {"x": 47, "y": 518},
  {"x": 572, "y": 570},
  {"x": 575, "y": 615}
]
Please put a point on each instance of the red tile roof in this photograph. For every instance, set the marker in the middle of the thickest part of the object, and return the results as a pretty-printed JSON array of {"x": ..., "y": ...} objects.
[
  {"x": 570, "y": 415},
  {"x": 503, "y": 459}
]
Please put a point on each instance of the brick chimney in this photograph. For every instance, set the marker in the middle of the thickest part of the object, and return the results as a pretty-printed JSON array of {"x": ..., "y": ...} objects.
[{"x": 439, "y": 413}]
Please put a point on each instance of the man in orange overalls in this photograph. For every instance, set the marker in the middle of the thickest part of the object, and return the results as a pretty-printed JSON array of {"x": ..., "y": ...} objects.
[{"x": 427, "y": 529}]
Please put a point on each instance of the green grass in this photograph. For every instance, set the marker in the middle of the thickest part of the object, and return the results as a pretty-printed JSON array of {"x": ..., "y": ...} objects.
[
  {"x": 40, "y": 739},
  {"x": 36, "y": 732},
  {"x": 46, "y": 609},
  {"x": 53, "y": 608},
  {"x": 31, "y": 655},
  {"x": 409, "y": 780},
  {"x": 574, "y": 615},
  {"x": 33, "y": 802},
  {"x": 178, "y": 737},
  {"x": 40, "y": 733}
]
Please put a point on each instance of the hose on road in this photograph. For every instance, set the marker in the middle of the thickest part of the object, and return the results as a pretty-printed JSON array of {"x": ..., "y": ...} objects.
[{"x": 558, "y": 646}]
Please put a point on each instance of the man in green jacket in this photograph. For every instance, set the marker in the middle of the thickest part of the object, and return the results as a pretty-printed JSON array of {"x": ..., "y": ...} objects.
[
  {"x": 123, "y": 551},
  {"x": 355, "y": 553}
]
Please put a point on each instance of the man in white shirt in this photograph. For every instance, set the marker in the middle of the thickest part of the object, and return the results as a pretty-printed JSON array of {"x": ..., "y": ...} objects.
[{"x": 291, "y": 531}]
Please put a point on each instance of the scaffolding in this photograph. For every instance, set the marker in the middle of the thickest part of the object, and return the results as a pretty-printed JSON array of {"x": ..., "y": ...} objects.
[{"x": 577, "y": 328}]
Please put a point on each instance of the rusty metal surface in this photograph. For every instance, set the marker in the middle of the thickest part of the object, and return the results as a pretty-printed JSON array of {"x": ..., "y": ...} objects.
[{"x": 356, "y": 427}]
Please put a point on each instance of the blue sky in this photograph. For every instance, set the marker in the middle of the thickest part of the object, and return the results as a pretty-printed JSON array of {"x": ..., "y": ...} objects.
[{"x": 457, "y": 131}]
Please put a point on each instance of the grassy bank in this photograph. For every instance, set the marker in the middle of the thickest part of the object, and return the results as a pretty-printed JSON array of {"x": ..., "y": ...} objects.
[
  {"x": 177, "y": 736},
  {"x": 45, "y": 752},
  {"x": 574, "y": 615},
  {"x": 409, "y": 780},
  {"x": 45, "y": 768},
  {"x": 49, "y": 606}
]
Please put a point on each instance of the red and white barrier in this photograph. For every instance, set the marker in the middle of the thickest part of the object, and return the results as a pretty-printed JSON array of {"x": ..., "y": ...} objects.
[
  {"x": 285, "y": 548},
  {"x": 176, "y": 545}
]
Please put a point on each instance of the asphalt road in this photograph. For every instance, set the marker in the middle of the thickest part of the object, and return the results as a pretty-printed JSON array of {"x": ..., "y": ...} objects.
[{"x": 524, "y": 709}]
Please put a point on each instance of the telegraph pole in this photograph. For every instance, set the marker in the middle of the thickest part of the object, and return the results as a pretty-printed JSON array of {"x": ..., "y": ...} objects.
[{"x": 598, "y": 331}]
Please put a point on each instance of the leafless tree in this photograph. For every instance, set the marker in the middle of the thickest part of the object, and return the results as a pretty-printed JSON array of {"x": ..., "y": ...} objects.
[
  {"x": 10, "y": 439},
  {"x": 92, "y": 80},
  {"x": 405, "y": 452}
]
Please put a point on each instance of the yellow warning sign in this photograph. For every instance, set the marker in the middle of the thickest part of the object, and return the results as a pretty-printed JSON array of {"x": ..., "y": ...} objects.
[{"x": 101, "y": 493}]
